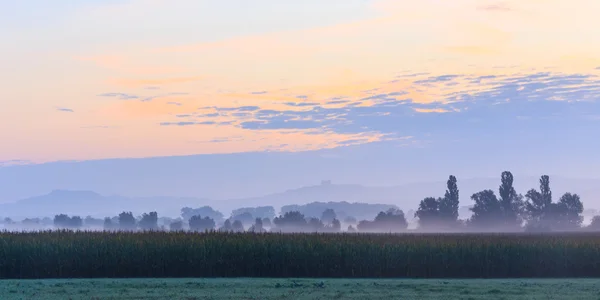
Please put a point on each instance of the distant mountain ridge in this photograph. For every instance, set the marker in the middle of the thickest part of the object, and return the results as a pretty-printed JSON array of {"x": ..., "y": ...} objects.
[
  {"x": 405, "y": 197},
  {"x": 408, "y": 196},
  {"x": 88, "y": 203}
]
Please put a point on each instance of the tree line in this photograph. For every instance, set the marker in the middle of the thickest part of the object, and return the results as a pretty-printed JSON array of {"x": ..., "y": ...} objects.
[{"x": 507, "y": 211}]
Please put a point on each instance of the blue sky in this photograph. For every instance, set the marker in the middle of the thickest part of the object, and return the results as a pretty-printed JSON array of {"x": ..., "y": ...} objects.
[{"x": 478, "y": 85}]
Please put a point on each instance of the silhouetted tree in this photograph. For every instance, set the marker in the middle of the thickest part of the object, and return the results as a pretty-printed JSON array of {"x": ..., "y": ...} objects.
[
  {"x": 35, "y": 223},
  {"x": 90, "y": 221},
  {"x": 266, "y": 223},
  {"x": 328, "y": 216},
  {"x": 108, "y": 224},
  {"x": 448, "y": 206},
  {"x": 315, "y": 225},
  {"x": 539, "y": 202},
  {"x": 187, "y": 213},
  {"x": 257, "y": 226},
  {"x": 127, "y": 221},
  {"x": 290, "y": 221},
  {"x": 245, "y": 218},
  {"x": 335, "y": 226},
  {"x": 258, "y": 212},
  {"x": 63, "y": 221},
  {"x": 176, "y": 226},
  {"x": 237, "y": 226},
  {"x": 487, "y": 211},
  {"x": 76, "y": 222},
  {"x": 365, "y": 226},
  {"x": 511, "y": 203},
  {"x": 545, "y": 191},
  {"x": 197, "y": 223},
  {"x": 538, "y": 206},
  {"x": 392, "y": 220},
  {"x": 149, "y": 221},
  {"x": 46, "y": 221},
  {"x": 504, "y": 213},
  {"x": 543, "y": 214},
  {"x": 569, "y": 209},
  {"x": 226, "y": 226},
  {"x": 360, "y": 211},
  {"x": 428, "y": 213}
]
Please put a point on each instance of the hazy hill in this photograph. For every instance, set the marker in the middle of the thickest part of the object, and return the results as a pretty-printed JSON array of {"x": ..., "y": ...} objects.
[
  {"x": 84, "y": 203},
  {"x": 249, "y": 175},
  {"x": 408, "y": 196},
  {"x": 405, "y": 197}
]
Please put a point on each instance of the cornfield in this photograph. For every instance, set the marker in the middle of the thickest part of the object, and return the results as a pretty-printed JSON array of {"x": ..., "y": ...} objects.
[{"x": 67, "y": 254}]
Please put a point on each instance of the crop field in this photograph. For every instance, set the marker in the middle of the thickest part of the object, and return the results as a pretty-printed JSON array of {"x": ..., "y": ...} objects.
[
  {"x": 68, "y": 254},
  {"x": 282, "y": 289}
]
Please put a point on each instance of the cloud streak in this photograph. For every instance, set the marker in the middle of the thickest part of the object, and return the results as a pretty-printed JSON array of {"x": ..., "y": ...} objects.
[
  {"x": 15, "y": 162},
  {"x": 120, "y": 96},
  {"x": 431, "y": 110},
  {"x": 383, "y": 109},
  {"x": 65, "y": 109},
  {"x": 125, "y": 96}
]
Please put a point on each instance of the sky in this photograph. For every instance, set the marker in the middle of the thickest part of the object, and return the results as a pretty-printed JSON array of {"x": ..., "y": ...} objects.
[{"x": 472, "y": 80}]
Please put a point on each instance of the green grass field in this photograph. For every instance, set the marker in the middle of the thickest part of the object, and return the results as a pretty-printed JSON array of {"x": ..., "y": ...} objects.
[{"x": 299, "y": 289}]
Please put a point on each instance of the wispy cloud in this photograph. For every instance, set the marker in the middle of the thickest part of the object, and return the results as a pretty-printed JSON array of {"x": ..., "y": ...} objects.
[
  {"x": 178, "y": 123},
  {"x": 125, "y": 96},
  {"x": 436, "y": 79},
  {"x": 310, "y": 87},
  {"x": 188, "y": 123},
  {"x": 15, "y": 162},
  {"x": 121, "y": 96},
  {"x": 431, "y": 110},
  {"x": 150, "y": 98},
  {"x": 65, "y": 109},
  {"x": 382, "y": 110}
]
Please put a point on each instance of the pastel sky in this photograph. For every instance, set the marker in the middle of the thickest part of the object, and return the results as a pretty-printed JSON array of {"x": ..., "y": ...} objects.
[{"x": 96, "y": 79}]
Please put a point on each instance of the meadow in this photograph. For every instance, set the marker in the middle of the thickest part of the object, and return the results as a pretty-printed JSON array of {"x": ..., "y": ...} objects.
[
  {"x": 68, "y": 254},
  {"x": 300, "y": 289}
]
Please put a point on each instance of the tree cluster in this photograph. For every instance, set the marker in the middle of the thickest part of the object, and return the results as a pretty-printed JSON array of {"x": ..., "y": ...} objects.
[
  {"x": 434, "y": 214},
  {"x": 63, "y": 221},
  {"x": 392, "y": 220},
  {"x": 509, "y": 211},
  {"x": 504, "y": 211}
]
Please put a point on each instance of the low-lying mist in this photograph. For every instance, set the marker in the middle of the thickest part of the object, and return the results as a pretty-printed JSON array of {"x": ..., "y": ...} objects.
[{"x": 536, "y": 211}]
